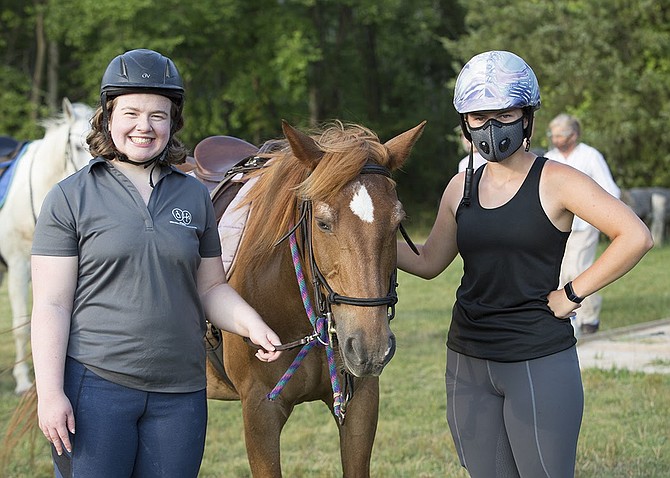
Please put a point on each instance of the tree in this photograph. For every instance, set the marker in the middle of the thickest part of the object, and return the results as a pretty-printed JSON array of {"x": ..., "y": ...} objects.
[
  {"x": 18, "y": 50},
  {"x": 601, "y": 60}
]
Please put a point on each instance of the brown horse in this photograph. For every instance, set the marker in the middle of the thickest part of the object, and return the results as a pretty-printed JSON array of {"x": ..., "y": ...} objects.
[{"x": 334, "y": 189}]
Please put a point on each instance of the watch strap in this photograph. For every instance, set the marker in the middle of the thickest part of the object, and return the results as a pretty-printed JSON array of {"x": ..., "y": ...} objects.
[{"x": 570, "y": 293}]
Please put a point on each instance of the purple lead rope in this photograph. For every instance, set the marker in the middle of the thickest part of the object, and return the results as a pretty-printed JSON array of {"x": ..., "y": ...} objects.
[{"x": 320, "y": 326}]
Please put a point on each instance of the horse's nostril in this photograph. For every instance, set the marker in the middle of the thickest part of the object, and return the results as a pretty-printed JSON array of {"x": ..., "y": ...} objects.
[
  {"x": 390, "y": 352},
  {"x": 354, "y": 351}
]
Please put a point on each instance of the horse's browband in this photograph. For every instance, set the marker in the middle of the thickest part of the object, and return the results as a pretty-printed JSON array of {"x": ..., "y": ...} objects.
[{"x": 373, "y": 168}]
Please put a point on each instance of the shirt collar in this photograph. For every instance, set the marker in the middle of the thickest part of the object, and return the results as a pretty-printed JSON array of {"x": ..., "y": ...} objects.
[{"x": 165, "y": 170}]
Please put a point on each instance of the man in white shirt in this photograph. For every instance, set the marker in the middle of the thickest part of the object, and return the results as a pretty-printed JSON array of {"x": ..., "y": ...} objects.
[{"x": 580, "y": 252}]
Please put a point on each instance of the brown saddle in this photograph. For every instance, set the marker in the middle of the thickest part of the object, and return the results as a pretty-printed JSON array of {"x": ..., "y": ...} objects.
[
  {"x": 187, "y": 166},
  {"x": 214, "y": 156}
]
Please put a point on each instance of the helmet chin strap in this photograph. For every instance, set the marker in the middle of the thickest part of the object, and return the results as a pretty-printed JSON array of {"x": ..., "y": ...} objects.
[
  {"x": 153, "y": 162},
  {"x": 528, "y": 130},
  {"x": 469, "y": 171}
]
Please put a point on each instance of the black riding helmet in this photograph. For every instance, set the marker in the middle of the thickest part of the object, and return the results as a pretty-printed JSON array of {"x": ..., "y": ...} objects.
[{"x": 141, "y": 71}]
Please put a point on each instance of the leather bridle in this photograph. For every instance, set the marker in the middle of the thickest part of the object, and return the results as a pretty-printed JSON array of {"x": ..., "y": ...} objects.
[{"x": 324, "y": 295}]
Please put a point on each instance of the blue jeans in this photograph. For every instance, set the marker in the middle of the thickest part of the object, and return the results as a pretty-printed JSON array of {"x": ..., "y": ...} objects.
[{"x": 122, "y": 432}]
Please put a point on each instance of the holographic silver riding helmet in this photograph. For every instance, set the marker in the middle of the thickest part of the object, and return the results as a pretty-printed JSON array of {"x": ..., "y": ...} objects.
[{"x": 496, "y": 80}]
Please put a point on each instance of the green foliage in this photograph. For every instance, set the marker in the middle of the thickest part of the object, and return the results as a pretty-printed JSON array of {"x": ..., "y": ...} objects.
[
  {"x": 247, "y": 65},
  {"x": 387, "y": 64},
  {"x": 601, "y": 60},
  {"x": 15, "y": 109},
  {"x": 16, "y": 23}
]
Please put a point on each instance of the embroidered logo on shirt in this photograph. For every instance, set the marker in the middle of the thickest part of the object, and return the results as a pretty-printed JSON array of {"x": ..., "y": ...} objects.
[{"x": 182, "y": 217}]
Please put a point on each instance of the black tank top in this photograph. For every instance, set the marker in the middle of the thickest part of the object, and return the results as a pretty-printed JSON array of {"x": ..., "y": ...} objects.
[{"x": 511, "y": 259}]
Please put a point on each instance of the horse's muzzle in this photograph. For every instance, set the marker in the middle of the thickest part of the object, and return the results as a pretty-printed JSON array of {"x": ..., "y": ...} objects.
[{"x": 363, "y": 361}]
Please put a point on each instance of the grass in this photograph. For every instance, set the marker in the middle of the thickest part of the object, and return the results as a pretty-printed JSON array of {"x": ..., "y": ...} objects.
[{"x": 626, "y": 419}]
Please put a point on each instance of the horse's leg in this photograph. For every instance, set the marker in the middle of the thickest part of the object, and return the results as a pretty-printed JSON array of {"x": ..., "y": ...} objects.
[
  {"x": 18, "y": 278},
  {"x": 357, "y": 434},
  {"x": 263, "y": 423}
]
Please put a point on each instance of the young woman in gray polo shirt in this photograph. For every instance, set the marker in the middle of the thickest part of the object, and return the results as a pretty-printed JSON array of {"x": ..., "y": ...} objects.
[{"x": 126, "y": 266}]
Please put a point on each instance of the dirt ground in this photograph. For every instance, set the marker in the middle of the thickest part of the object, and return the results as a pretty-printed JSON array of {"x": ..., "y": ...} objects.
[{"x": 643, "y": 347}]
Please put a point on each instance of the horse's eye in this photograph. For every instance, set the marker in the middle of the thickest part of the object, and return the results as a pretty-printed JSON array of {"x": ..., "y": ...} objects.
[{"x": 324, "y": 226}]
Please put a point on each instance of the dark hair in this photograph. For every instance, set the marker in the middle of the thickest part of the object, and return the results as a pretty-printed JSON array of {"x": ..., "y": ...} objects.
[{"x": 100, "y": 141}]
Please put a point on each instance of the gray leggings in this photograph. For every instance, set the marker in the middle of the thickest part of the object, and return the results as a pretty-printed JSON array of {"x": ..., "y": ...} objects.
[{"x": 517, "y": 419}]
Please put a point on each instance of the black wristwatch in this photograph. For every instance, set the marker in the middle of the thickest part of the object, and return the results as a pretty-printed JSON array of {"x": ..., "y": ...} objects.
[{"x": 572, "y": 297}]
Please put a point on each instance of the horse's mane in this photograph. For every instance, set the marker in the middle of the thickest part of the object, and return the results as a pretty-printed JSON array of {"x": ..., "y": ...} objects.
[
  {"x": 80, "y": 110},
  {"x": 53, "y": 126},
  {"x": 56, "y": 127},
  {"x": 53, "y": 122},
  {"x": 55, "y": 137},
  {"x": 285, "y": 181}
]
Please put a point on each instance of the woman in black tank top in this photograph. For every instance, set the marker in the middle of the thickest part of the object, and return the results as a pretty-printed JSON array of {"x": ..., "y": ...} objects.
[{"x": 514, "y": 391}]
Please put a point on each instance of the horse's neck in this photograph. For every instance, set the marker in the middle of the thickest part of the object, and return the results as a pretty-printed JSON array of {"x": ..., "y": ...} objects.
[
  {"x": 48, "y": 162},
  {"x": 275, "y": 279}
]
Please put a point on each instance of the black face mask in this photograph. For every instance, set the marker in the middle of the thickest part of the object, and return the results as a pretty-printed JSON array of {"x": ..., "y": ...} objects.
[{"x": 496, "y": 141}]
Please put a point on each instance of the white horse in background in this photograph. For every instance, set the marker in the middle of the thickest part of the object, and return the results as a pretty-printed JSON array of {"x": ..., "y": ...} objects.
[{"x": 43, "y": 163}]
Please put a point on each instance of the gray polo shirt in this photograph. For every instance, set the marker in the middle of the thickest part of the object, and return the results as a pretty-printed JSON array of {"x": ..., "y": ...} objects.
[{"x": 137, "y": 317}]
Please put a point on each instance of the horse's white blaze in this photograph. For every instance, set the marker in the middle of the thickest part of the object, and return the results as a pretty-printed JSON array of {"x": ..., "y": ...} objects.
[{"x": 361, "y": 204}]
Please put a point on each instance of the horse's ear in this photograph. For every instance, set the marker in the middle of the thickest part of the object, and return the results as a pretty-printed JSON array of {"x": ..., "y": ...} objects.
[
  {"x": 400, "y": 146},
  {"x": 303, "y": 146},
  {"x": 68, "y": 109}
]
